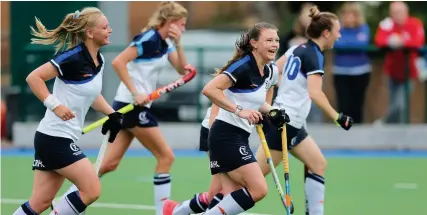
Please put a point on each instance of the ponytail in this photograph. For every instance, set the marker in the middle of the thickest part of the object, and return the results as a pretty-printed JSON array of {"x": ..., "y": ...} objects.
[
  {"x": 70, "y": 32},
  {"x": 243, "y": 45}
]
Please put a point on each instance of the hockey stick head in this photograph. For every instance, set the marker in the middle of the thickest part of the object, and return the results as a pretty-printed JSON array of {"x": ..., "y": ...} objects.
[
  {"x": 191, "y": 73},
  {"x": 153, "y": 96}
]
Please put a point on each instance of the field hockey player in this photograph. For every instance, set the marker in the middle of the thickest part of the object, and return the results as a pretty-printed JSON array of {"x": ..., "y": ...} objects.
[
  {"x": 245, "y": 80},
  {"x": 302, "y": 69},
  {"x": 78, "y": 72}
]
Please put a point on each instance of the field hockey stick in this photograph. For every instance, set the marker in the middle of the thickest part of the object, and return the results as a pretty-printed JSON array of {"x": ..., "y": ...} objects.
[
  {"x": 286, "y": 169},
  {"x": 153, "y": 96},
  {"x": 270, "y": 162},
  {"x": 102, "y": 151},
  {"x": 306, "y": 200}
]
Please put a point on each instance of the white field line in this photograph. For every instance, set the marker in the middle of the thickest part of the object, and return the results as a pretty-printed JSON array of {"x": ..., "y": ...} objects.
[
  {"x": 107, "y": 205},
  {"x": 407, "y": 186}
]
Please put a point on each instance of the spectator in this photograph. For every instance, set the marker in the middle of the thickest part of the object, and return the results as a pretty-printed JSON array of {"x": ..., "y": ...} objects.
[
  {"x": 352, "y": 70},
  {"x": 399, "y": 31},
  {"x": 297, "y": 35}
]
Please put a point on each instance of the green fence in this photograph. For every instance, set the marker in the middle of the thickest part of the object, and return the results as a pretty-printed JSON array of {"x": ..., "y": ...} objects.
[{"x": 30, "y": 108}]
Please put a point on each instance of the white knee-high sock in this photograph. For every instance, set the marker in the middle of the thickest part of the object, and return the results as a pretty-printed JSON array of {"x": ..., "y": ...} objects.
[
  {"x": 315, "y": 193},
  {"x": 25, "y": 209},
  {"x": 162, "y": 191},
  {"x": 72, "y": 204},
  {"x": 72, "y": 188},
  {"x": 234, "y": 203},
  {"x": 192, "y": 206}
]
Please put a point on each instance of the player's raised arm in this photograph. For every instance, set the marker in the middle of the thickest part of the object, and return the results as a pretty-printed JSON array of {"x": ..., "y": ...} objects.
[{"x": 176, "y": 52}]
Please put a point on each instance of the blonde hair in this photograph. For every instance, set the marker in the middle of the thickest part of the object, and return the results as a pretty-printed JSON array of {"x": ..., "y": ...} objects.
[
  {"x": 355, "y": 8},
  {"x": 167, "y": 10},
  {"x": 243, "y": 45},
  {"x": 71, "y": 31}
]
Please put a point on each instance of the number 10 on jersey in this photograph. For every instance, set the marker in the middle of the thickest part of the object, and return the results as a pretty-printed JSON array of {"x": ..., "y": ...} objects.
[{"x": 293, "y": 66}]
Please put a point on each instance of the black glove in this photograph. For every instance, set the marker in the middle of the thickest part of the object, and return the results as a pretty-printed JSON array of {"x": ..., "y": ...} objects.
[
  {"x": 278, "y": 118},
  {"x": 113, "y": 124},
  {"x": 344, "y": 121}
]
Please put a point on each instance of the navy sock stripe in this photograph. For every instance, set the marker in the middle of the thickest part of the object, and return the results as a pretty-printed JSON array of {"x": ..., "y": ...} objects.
[
  {"x": 71, "y": 205},
  {"x": 216, "y": 199},
  {"x": 76, "y": 202},
  {"x": 243, "y": 198},
  {"x": 27, "y": 209},
  {"x": 316, "y": 177},
  {"x": 196, "y": 206},
  {"x": 167, "y": 181},
  {"x": 161, "y": 179}
]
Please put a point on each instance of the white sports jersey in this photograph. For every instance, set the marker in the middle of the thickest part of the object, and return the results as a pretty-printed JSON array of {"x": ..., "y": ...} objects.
[
  {"x": 302, "y": 60},
  {"x": 77, "y": 85},
  {"x": 144, "y": 70},
  {"x": 249, "y": 89},
  {"x": 205, "y": 122}
]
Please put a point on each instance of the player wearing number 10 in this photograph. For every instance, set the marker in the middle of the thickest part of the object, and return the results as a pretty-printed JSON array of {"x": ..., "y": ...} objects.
[{"x": 300, "y": 84}]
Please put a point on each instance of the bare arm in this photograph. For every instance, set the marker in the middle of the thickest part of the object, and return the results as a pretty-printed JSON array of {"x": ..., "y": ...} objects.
[
  {"x": 37, "y": 78},
  {"x": 119, "y": 64},
  {"x": 214, "y": 91},
  {"x": 178, "y": 60},
  {"x": 318, "y": 96},
  {"x": 280, "y": 63},
  {"x": 269, "y": 97},
  {"x": 101, "y": 105},
  {"x": 265, "y": 108}
]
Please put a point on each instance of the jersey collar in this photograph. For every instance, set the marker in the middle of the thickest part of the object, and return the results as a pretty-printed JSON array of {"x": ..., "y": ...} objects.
[
  {"x": 163, "y": 41},
  {"x": 314, "y": 44},
  {"x": 254, "y": 67},
  {"x": 89, "y": 58}
]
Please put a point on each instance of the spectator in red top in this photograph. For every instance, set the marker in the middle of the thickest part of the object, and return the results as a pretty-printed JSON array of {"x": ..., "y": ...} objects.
[{"x": 399, "y": 31}]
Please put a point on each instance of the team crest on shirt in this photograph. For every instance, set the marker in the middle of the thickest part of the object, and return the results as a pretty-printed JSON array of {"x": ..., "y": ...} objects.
[
  {"x": 267, "y": 85},
  {"x": 143, "y": 118}
]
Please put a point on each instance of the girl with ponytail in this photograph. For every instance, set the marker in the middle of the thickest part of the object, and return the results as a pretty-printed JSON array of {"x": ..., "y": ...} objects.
[{"x": 77, "y": 68}]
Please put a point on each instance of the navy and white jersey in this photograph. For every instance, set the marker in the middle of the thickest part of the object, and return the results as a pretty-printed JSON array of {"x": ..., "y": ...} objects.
[
  {"x": 302, "y": 61},
  {"x": 77, "y": 85},
  {"x": 249, "y": 88},
  {"x": 144, "y": 70}
]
